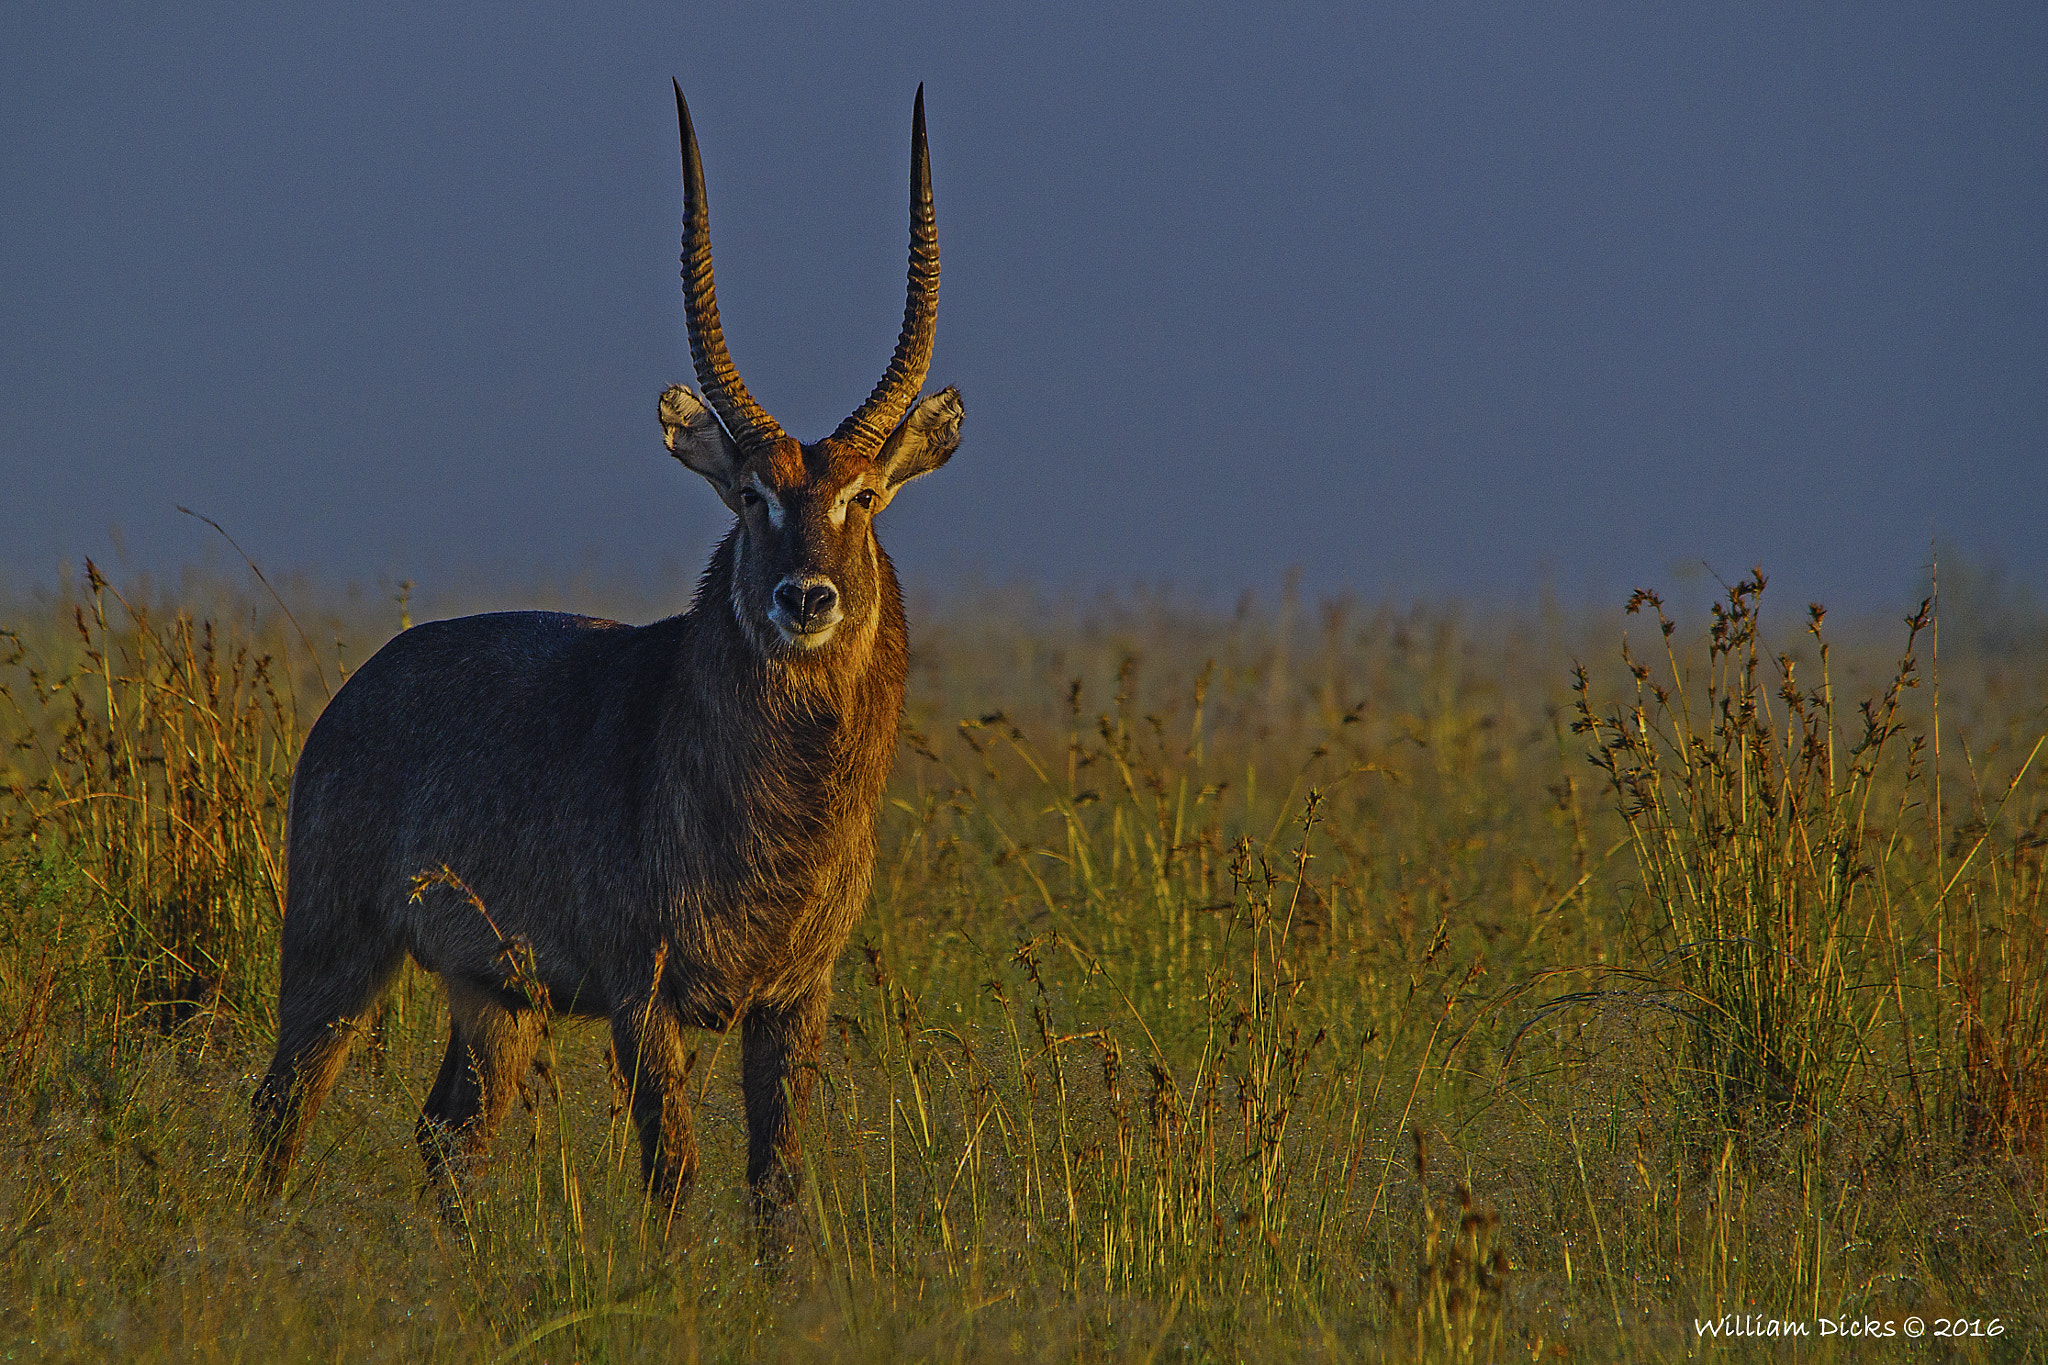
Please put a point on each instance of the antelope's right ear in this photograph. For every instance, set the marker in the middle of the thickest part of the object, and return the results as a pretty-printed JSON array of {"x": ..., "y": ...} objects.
[
  {"x": 694, "y": 436},
  {"x": 924, "y": 440}
]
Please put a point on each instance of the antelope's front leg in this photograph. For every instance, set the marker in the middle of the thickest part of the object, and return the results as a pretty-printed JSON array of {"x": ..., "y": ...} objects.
[
  {"x": 779, "y": 1058},
  {"x": 648, "y": 1044}
]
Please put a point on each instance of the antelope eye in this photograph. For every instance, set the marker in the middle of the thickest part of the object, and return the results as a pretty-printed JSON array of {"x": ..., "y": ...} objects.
[
  {"x": 866, "y": 498},
  {"x": 749, "y": 498}
]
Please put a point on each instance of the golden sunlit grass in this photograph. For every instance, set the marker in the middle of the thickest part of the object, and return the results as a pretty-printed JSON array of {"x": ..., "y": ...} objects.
[{"x": 1278, "y": 985}]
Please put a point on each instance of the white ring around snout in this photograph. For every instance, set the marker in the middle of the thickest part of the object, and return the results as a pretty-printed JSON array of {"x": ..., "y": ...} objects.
[{"x": 786, "y": 626}]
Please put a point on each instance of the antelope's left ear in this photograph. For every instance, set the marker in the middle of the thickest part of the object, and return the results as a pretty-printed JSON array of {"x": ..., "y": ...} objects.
[
  {"x": 695, "y": 437},
  {"x": 923, "y": 440}
]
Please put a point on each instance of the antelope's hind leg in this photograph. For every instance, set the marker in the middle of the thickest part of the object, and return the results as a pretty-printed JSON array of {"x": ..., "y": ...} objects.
[
  {"x": 490, "y": 1045},
  {"x": 321, "y": 1008}
]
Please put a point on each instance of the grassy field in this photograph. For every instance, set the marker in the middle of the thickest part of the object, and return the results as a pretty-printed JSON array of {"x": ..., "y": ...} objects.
[{"x": 1316, "y": 981}]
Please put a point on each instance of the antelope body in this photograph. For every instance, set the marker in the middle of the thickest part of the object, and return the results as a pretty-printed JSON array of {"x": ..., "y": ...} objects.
[{"x": 672, "y": 824}]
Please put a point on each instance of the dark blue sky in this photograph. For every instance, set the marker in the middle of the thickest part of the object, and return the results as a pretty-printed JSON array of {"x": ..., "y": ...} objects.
[{"x": 1437, "y": 299}]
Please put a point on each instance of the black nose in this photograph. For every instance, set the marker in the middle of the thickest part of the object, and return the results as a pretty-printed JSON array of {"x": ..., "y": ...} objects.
[{"x": 806, "y": 602}]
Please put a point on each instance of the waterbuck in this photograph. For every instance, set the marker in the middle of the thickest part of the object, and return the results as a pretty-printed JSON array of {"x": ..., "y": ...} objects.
[{"x": 669, "y": 826}]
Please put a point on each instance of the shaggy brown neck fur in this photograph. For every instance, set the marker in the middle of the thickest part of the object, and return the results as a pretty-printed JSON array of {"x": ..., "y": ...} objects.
[{"x": 790, "y": 755}]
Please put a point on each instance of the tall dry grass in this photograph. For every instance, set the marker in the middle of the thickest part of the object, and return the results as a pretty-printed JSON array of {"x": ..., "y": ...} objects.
[
  {"x": 1269, "y": 984},
  {"x": 153, "y": 757}
]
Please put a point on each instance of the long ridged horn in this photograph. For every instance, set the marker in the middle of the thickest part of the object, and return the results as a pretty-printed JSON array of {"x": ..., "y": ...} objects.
[
  {"x": 877, "y": 417},
  {"x": 748, "y": 424}
]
